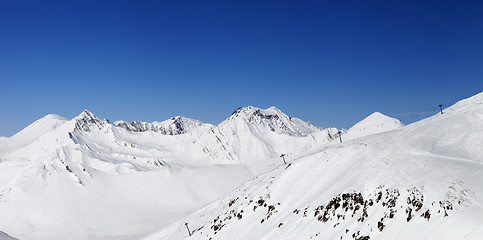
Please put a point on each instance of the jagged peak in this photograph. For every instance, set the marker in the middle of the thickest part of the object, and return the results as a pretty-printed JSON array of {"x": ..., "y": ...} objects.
[
  {"x": 249, "y": 111},
  {"x": 183, "y": 119},
  {"x": 272, "y": 119},
  {"x": 242, "y": 109},
  {"x": 174, "y": 126},
  {"x": 86, "y": 114},
  {"x": 179, "y": 117},
  {"x": 86, "y": 118}
]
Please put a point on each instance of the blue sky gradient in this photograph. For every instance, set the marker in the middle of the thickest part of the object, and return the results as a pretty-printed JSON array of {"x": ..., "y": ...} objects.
[{"x": 328, "y": 62}]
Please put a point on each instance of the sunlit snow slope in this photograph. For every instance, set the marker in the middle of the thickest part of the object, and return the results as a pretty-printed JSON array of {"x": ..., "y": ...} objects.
[
  {"x": 86, "y": 178},
  {"x": 373, "y": 124},
  {"x": 421, "y": 181}
]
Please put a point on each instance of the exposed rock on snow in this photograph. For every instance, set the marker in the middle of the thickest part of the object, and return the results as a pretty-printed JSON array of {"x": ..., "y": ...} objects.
[
  {"x": 87, "y": 178},
  {"x": 272, "y": 119},
  {"x": 57, "y": 166},
  {"x": 86, "y": 119},
  {"x": 174, "y": 126},
  {"x": 422, "y": 181}
]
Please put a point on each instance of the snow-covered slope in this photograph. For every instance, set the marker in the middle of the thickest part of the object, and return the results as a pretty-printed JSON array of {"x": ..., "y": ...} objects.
[
  {"x": 174, "y": 126},
  {"x": 4, "y": 236},
  {"x": 255, "y": 133},
  {"x": 270, "y": 119},
  {"x": 373, "y": 124},
  {"x": 31, "y": 133},
  {"x": 421, "y": 181},
  {"x": 87, "y": 178}
]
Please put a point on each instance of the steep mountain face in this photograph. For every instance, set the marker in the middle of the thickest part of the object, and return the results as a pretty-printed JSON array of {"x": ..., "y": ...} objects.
[{"x": 421, "y": 181}]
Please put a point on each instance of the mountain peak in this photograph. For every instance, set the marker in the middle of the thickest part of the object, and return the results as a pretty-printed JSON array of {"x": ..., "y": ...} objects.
[
  {"x": 377, "y": 114},
  {"x": 249, "y": 111},
  {"x": 86, "y": 114},
  {"x": 181, "y": 118},
  {"x": 376, "y": 118},
  {"x": 270, "y": 119},
  {"x": 373, "y": 124},
  {"x": 85, "y": 119},
  {"x": 241, "y": 110},
  {"x": 178, "y": 125},
  {"x": 273, "y": 108}
]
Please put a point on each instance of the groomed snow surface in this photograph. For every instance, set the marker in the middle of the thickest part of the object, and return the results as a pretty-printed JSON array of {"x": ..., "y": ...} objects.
[{"x": 87, "y": 178}]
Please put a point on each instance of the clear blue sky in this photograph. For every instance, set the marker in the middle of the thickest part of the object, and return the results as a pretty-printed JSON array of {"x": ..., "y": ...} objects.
[{"x": 328, "y": 62}]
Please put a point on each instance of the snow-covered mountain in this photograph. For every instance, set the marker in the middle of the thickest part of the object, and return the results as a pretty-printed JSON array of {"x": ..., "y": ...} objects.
[
  {"x": 421, "y": 181},
  {"x": 272, "y": 119},
  {"x": 87, "y": 178},
  {"x": 174, "y": 126},
  {"x": 255, "y": 133},
  {"x": 92, "y": 173},
  {"x": 373, "y": 124},
  {"x": 250, "y": 134}
]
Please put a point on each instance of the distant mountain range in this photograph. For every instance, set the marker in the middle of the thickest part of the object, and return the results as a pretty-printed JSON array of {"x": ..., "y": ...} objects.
[{"x": 87, "y": 178}]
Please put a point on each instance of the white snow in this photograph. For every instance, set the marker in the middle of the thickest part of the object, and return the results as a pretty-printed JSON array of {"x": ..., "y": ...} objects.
[
  {"x": 422, "y": 181},
  {"x": 373, "y": 124},
  {"x": 4, "y": 236},
  {"x": 88, "y": 178}
]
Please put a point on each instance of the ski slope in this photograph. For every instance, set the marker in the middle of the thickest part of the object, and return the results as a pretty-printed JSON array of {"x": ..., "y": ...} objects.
[
  {"x": 87, "y": 178},
  {"x": 421, "y": 181}
]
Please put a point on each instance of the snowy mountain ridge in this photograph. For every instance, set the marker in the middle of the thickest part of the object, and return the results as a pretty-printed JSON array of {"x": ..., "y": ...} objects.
[
  {"x": 108, "y": 179},
  {"x": 274, "y": 119},
  {"x": 174, "y": 126},
  {"x": 421, "y": 181}
]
